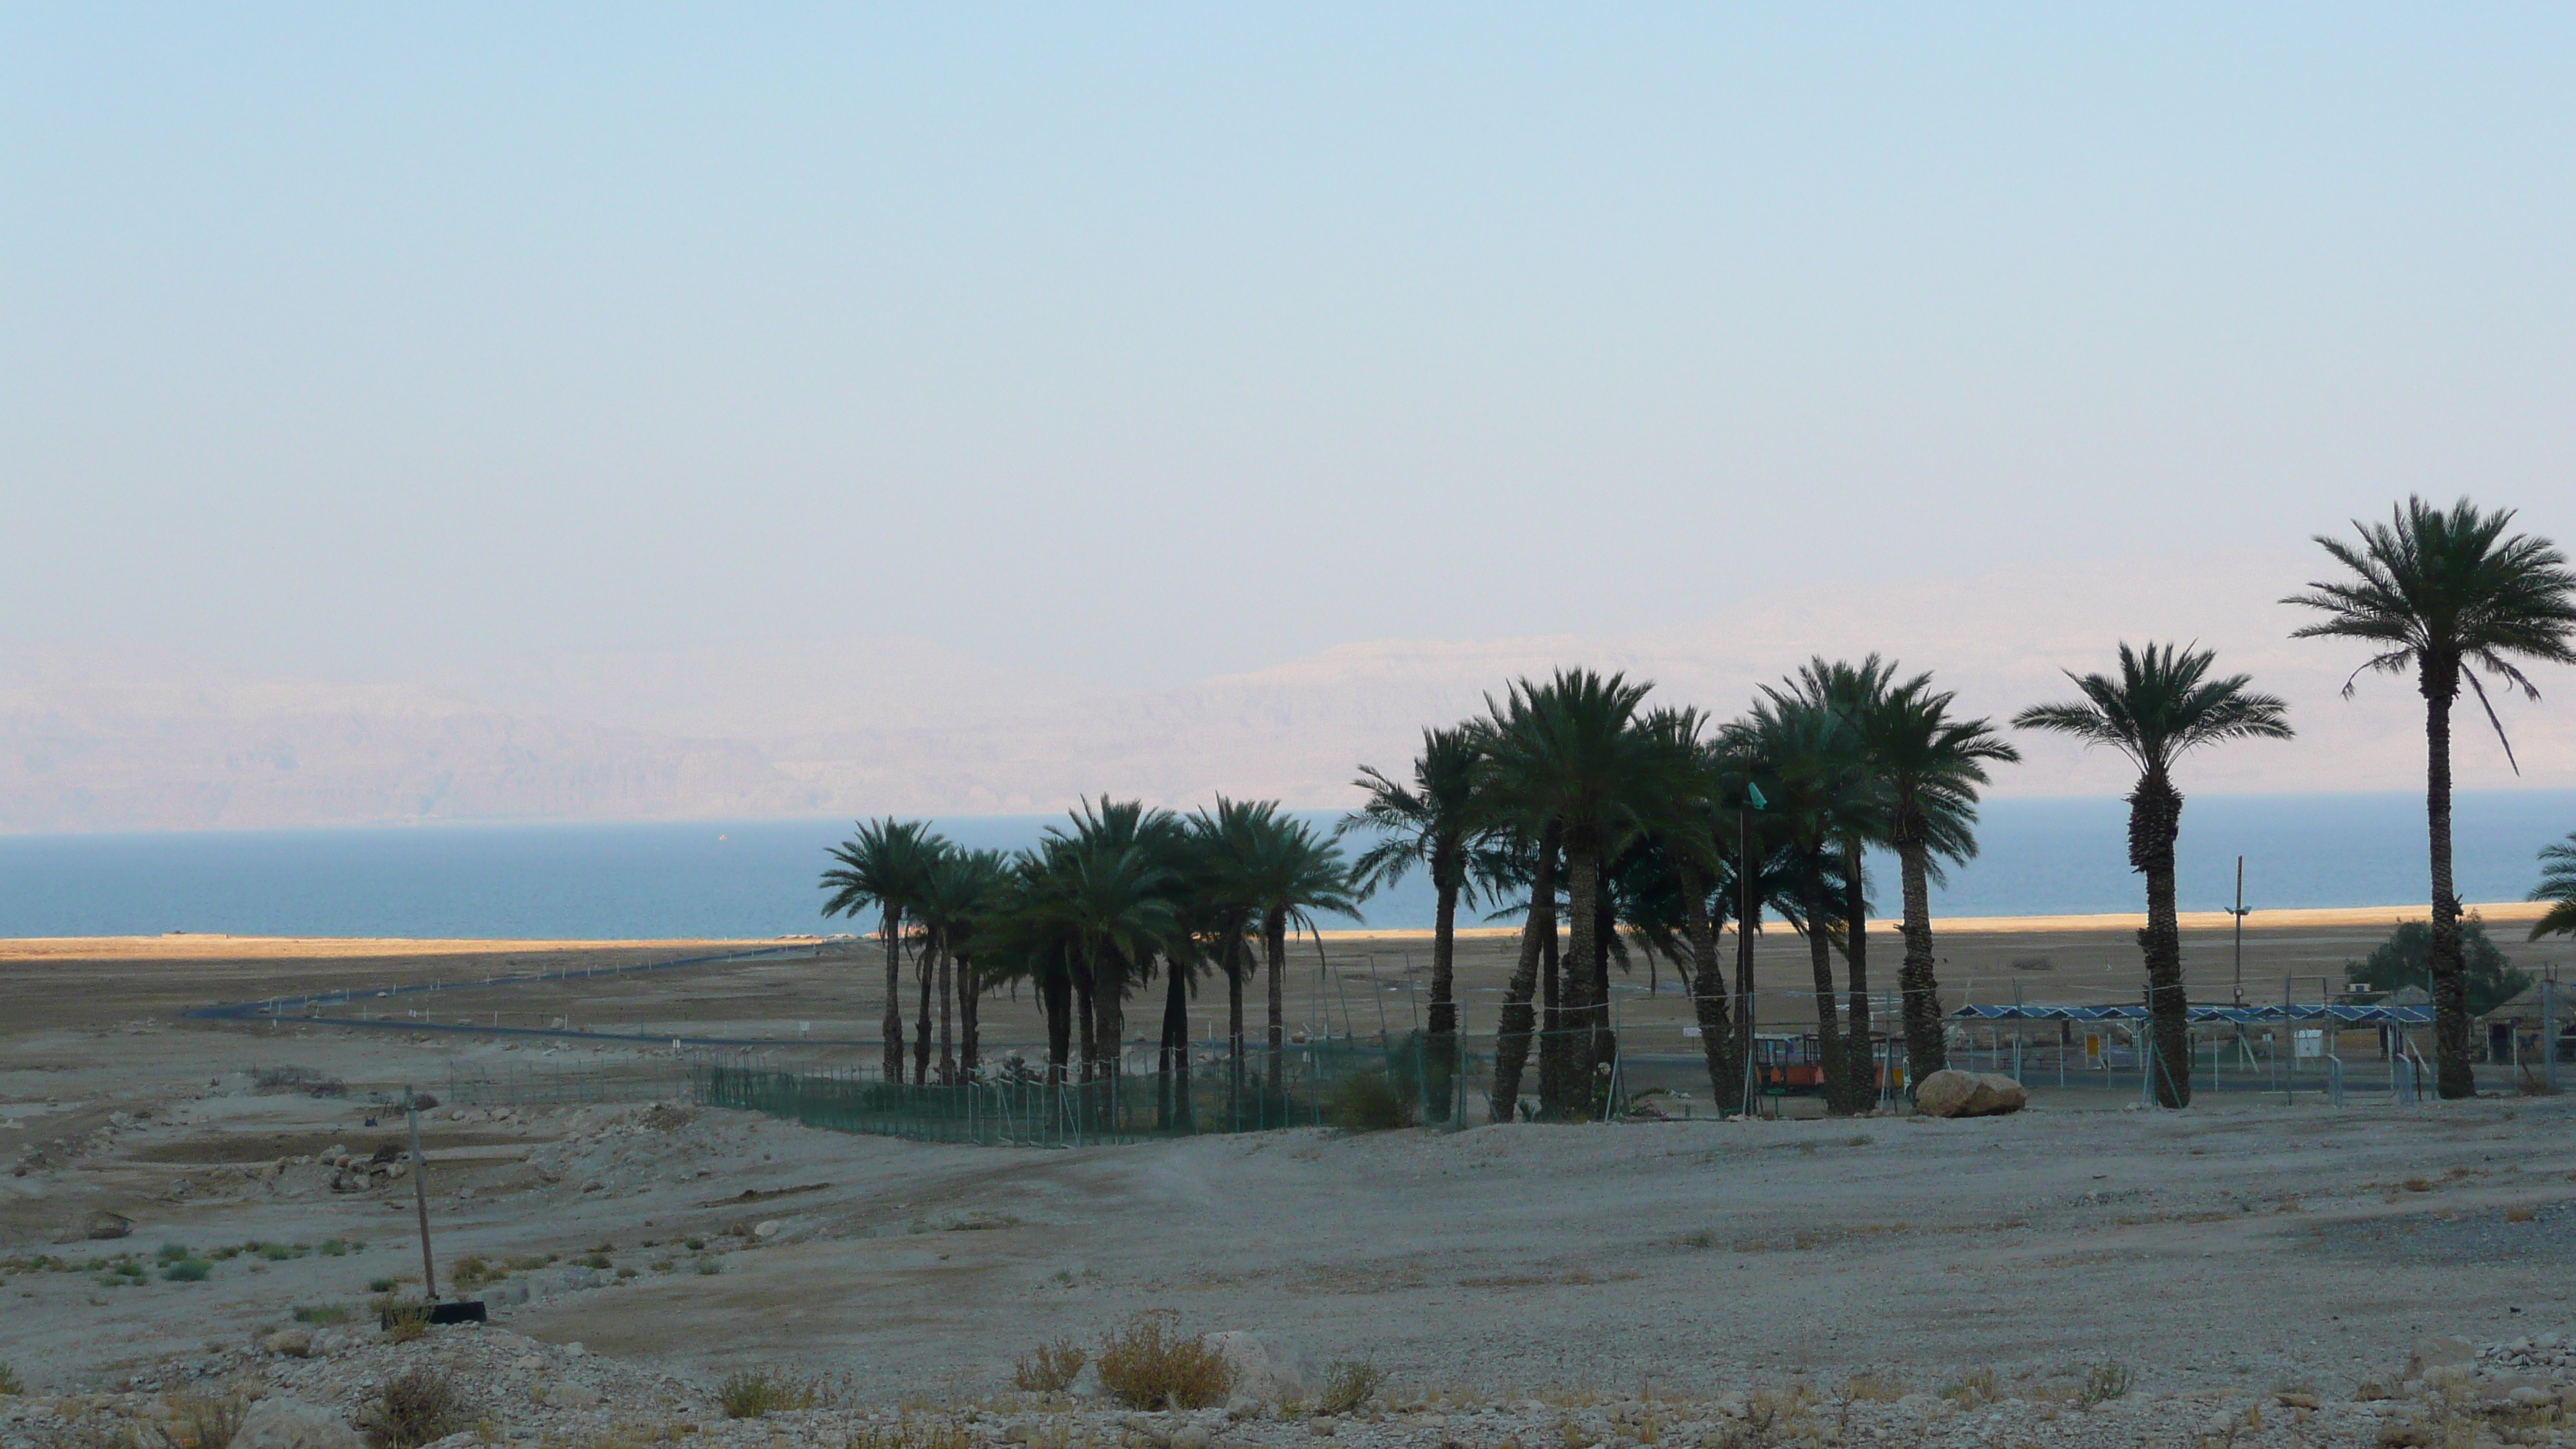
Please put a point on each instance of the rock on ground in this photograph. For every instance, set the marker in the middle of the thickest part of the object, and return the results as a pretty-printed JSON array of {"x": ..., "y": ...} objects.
[{"x": 1969, "y": 1094}]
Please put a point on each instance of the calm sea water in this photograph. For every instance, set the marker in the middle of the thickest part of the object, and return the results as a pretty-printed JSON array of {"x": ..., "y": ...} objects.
[{"x": 757, "y": 878}]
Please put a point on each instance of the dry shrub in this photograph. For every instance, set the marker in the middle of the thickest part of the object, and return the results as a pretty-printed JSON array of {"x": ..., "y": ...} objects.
[
  {"x": 2104, "y": 1382},
  {"x": 201, "y": 1421},
  {"x": 2519, "y": 1213},
  {"x": 1050, "y": 1368},
  {"x": 1150, "y": 1364},
  {"x": 1871, "y": 1389},
  {"x": 1973, "y": 1389},
  {"x": 758, "y": 1393},
  {"x": 2533, "y": 1084},
  {"x": 402, "y": 1322},
  {"x": 1367, "y": 1102},
  {"x": 411, "y": 1410},
  {"x": 1348, "y": 1385},
  {"x": 9, "y": 1382},
  {"x": 2416, "y": 1184}
]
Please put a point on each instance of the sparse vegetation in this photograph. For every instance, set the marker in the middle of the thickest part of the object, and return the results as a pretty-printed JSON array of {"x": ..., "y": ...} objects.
[
  {"x": 1050, "y": 1368},
  {"x": 9, "y": 1382},
  {"x": 2104, "y": 1382},
  {"x": 200, "y": 1421},
  {"x": 1973, "y": 1389},
  {"x": 1150, "y": 1364},
  {"x": 403, "y": 1322},
  {"x": 323, "y": 1314},
  {"x": 759, "y": 1393},
  {"x": 412, "y": 1409},
  {"x": 187, "y": 1270},
  {"x": 1367, "y": 1102},
  {"x": 1349, "y": 1385}
]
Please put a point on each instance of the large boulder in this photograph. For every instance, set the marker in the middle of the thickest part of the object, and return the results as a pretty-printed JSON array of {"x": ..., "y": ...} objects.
[
  {"x": 103, "y": 1224},
  {"x": 1968, "y": 1094},
  {"x": 1268, "y": 1367},
  {"x": 291, "y": 1424}
]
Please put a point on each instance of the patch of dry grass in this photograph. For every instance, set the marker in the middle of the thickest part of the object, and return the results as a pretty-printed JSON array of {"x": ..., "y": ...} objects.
[{"x": 1151, "y": 1364}]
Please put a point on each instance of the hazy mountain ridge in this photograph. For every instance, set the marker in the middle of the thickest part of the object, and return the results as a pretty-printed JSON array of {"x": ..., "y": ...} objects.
[{"x": 148, "y": 740}]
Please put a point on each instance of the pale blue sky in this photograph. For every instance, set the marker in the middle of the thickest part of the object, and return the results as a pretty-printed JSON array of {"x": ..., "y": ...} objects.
[{"x": 1160, "y": 342}]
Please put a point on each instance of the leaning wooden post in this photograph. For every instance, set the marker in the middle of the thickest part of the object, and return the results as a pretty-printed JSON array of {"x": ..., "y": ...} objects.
[{"x": 420, "y": 1196}]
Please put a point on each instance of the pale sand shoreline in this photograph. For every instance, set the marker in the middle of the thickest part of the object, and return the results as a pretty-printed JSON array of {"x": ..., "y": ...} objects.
[{"x": 221, "y": 947}]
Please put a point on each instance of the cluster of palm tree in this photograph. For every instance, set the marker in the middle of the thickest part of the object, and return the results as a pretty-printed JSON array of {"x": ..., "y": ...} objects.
[
  {"x": 1116, "y": 900},
  {"x": 1617, "y": 830},
  {"x": 1649, "y": 831}
]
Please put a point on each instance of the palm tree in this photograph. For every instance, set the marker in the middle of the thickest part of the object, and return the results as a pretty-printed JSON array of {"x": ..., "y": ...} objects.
[
  {"x": 1226, "y": 845},
  {"x": 2447, "y": 594},
  {"x": 1430, "y": 823},
  {"x": 1574, "y": 751},
  {"x": 1517, "y": 859},
  {"x": 1830, "y": 807},
  {"x": 882, "y": 867},
  {"x": 2558, "y": 887},
  {"x": 957, "y": 899},
  {"x": 2163, "y": 705},
  {"x": 1854, "y": 694},
  {"x": 1932, "y": 767},
  {"x": 1291, "y": 872},
  {"x": 1122, "y": 868}
]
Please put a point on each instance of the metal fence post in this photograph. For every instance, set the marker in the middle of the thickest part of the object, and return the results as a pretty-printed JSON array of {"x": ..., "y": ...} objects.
[{"x": 2549, "y": 1034}]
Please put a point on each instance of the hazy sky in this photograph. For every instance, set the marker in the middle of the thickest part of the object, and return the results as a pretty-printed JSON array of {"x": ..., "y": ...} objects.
[{"x": 1152, "y": 343}]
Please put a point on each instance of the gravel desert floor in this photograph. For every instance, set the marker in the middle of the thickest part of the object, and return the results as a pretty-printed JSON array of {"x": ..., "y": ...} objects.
[{"x": 2246, "y": 1270}]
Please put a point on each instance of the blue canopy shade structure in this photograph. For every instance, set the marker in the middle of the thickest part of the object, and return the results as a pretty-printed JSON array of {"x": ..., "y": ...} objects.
[{"x": 2348, "y": 1015}]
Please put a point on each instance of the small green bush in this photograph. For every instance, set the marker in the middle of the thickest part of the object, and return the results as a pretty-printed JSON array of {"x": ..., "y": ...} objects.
[
  {"x": 175, "y": 1252},
  {"x": 324, "y": 1313},
  {"x": 188, "y": 1270},
  {"x": 1367, "y": 1102},
  {"x": 9, "y": 1382},
  {"x": 1349, "y": 1385},
  {"x": 380, "y": 1285}
]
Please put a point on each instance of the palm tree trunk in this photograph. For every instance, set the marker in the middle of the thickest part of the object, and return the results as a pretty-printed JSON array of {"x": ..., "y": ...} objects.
[
  {"x": 2155, "y": 819},
  {"x": 1569, "y": 1046},
  {"x": 1926, "y": 1051},
  {"x": 1055, "y": 987},
  {"x": 1860, "y": 1064},
  {"x": 1820, "y": 959},
  {"x": 1082, "y": 992},
  {"x": 947, "y": 999},
  {"x": 892, "y": 929},
  {"x": 1512, "y": 1036},
  {"x": 1605, "y": 926},
  {"x": 1551, "y": 1018},
  {"x": 1234, "y": 967},
  {"x": 1173, "y": 1095},
  {"x": 1274, "y": 947},
  {"x": 1440, "y": 1052},
  {"x": 923, "y": 970},
  {"x": 1708, "y": 992},
  {"x": 2448, "y": 973},
  {"x": 968, "y": 1003},
  {"x": 1748, "y": 924}
]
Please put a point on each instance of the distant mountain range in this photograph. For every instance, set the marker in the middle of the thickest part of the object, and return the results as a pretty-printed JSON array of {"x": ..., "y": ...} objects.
[{"x": 134, "y": 739}]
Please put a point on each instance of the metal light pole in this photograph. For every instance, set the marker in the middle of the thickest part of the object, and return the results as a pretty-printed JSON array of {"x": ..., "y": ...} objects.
[{"x": 2239, "y": 914}]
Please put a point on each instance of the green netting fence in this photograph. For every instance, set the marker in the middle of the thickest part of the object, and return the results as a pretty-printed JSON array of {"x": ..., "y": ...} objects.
[{"x": 1363, "y": 1083}]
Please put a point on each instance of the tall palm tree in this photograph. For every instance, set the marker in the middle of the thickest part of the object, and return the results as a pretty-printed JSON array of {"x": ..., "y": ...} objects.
[
  {"x": 2446, "y": 594},
  {"x": 1574, "y": 751},
  {"x": 1124, "y": 875},
  {"x": 882, "y": 867},
  {"x": 1829, "y": 803},
  {"x": 1518, "y": 859},
  {"x": 1932, "y": 766},
  {"x": 1293, "y": 871},
  {"x": 2558, "y": 887},
  {"x": 1227, "y": 845},
  {"x": 1431, "y": 823},
  {"x": 958, "y": 898},
  {"x": 2163, "y": 705}
]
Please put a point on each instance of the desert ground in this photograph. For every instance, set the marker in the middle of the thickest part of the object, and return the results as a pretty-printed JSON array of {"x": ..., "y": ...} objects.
[{"x": 2245, "y": 1255}]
